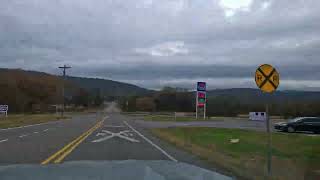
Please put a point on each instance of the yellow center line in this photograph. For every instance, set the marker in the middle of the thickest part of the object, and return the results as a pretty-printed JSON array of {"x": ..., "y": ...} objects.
[
  {"x": 68, "y": 151},
  {"x": 62, "y": 153}
]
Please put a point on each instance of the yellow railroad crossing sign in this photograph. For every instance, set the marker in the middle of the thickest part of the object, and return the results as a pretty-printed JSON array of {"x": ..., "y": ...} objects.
[{"x": 267, "y": 78}]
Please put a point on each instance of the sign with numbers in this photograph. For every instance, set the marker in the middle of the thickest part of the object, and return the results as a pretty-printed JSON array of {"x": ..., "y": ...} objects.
[{"x": 267, "y": 78}]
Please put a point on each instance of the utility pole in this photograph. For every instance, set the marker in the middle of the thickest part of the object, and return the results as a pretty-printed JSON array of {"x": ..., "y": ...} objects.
[{"x": 64, "y": 67}]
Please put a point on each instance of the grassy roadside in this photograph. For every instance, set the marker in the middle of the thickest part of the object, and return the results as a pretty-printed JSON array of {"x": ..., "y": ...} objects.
[
  {"x": 180, "y": 119},
  {"x": 295, "y": 156},
  {"x": 17, "y": 120},
  {"x": 167, "y": 118},
  {"x": 186, "y": 119}
]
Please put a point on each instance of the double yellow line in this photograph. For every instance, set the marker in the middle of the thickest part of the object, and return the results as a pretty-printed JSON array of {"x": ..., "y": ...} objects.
[{"x": 61, "y": 154}]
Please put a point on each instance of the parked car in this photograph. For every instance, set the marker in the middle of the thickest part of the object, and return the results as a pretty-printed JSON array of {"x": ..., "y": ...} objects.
[{"x": 311, "y": 124}]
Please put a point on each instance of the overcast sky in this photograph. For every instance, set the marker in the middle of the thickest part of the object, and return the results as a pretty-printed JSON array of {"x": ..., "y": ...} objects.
[{"x": 155, "y": 43}]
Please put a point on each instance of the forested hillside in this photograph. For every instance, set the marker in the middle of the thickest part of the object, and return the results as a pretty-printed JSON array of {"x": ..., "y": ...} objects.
[
  {"x": 108, "y": 87},
  {"x": 21, "y": 90},
  {"x": 24, "y": 90}
]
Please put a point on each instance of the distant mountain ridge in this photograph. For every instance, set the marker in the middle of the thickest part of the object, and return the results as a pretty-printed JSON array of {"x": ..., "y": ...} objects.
[
  {"x": 108, "y": 87},
  {"x": 113, "y": 88},
  {"x": 249, "y": 95}
]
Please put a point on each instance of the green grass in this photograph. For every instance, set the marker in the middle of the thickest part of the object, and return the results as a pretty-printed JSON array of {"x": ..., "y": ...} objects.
[
  {"x": 294, "y": 153},
  {"x": 170, "y": 118},
  {"x": 166, "y": 118},
  {"x": 16, "y": 120}
]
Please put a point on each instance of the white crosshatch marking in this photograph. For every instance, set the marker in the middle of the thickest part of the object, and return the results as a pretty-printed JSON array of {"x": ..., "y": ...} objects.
[{"x": 122, "y": 134}]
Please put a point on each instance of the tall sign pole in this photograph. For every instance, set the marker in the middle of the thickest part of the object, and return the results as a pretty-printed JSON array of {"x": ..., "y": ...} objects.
[
  {"x": 267, "y": 79},
  {"x": 205, "y": 108},
  {"x": 201, "y": 98},
  {"x": 197, "y": 106},
  {"x": 64, "y": 68}
]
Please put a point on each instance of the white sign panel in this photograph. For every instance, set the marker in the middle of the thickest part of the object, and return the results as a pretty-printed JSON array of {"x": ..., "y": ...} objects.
[
  {"x": 4, "y": 109},
  {"x": 257, "y": 116}
]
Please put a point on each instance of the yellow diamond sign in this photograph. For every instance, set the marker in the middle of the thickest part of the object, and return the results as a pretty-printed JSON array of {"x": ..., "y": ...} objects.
[{"x": 267, "y": 78}]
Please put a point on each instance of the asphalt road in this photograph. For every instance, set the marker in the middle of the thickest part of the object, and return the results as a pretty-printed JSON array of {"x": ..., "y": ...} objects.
[
  {"x": 102, "y": 136},
  {"x": 32, "y": 144},
  {"x": 117, "y": 139}
]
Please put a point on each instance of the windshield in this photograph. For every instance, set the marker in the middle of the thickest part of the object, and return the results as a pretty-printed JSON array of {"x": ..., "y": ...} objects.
[
  {"x": 200, "y": 85},
  {"x": 295, "y": 120}
]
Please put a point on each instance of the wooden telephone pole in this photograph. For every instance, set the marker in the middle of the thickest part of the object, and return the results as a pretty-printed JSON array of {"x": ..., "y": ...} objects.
[{"x": 64, "y": 68}]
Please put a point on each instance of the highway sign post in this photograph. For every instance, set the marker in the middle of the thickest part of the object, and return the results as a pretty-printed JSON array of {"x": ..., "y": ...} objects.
[
  {"x": 4, "y": 109},
  {"x": 267, "y": 79},
  {"x": 201, "y": 98}
]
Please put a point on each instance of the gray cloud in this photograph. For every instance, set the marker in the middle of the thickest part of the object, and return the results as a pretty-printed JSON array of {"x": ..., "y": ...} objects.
[{"x": 156, "y": 43}]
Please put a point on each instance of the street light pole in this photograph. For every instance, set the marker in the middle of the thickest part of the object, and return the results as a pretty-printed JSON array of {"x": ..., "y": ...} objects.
[{"x": 64, "y": 67}]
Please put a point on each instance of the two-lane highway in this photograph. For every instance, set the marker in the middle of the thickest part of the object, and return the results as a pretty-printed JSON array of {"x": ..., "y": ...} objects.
[
  {"x": 85, "y": 137},
  {"x": 103, "y": 136}
]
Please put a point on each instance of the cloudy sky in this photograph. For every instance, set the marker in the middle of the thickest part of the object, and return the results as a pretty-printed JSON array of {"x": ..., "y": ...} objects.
[{"x": 155, "y": 43}]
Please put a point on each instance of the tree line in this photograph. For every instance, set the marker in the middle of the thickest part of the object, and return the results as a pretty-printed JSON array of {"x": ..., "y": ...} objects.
[{"x": 170, "y": 100}]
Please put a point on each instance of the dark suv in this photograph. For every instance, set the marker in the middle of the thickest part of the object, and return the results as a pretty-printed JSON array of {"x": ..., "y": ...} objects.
[{"x": 300, "y": 124}]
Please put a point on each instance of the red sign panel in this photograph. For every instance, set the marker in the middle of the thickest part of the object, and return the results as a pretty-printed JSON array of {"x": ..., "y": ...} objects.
[
  {"x": 201, "y": 95},
  {"x": 200, "y": 105}
]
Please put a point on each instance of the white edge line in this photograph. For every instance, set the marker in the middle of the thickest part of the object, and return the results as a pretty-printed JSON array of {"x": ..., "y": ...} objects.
[
  {"x": 29, "y": 125},
  {"x": 150, "y": 142},
  {"x": 3, "y": 140},
  {"x": 23, "y": 135}
]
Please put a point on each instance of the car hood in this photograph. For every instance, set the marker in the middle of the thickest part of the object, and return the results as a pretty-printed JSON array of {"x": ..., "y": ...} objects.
[
  {"x": 115, "y": 170},
  {"x": 282, "y": 123}
]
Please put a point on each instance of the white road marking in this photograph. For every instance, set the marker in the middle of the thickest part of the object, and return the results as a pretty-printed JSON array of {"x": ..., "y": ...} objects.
[
  {"x": 312, "y": 135},
  {"x": 30, "y": 125},
  {"x": 36, "y": 132},
  {"x": 113, "y": 126},
  {"x": 121, "y": 134},
  {"x": 3, "y": 140},
  {"x": 101, "y": 134},
  {"x": 23, "y": 135},
  {"x": 150, "y": 142},
  {"x": 185, "y": 124},
  {"x": 45, "y": 130}
]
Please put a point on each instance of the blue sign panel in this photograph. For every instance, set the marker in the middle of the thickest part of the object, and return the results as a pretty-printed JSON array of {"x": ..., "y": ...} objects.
[{"x": 201, "y": 86}]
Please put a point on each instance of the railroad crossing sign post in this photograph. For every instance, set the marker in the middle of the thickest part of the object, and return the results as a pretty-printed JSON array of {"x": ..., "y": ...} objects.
[{"x": 267, "y": 79}]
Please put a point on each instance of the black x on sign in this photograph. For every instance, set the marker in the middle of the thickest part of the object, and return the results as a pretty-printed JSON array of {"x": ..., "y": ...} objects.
[{"x": 267, "y": 78}]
